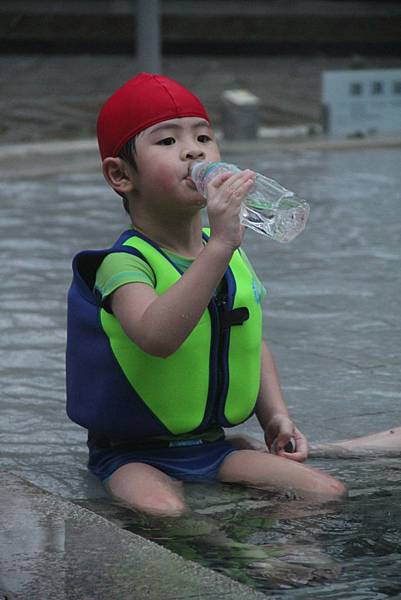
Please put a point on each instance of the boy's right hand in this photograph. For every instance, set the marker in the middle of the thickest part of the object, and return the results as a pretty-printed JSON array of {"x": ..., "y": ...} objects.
[
  {"x": 225, "y": 194},
  {"x": 279, "y": 433}
]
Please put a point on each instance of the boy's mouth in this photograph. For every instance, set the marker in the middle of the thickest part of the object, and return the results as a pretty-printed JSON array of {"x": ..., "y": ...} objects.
[
  {"x": 191, "y": 182},
  {"x": 191, "y": 166},
  {"x": 188, "y": 176}
]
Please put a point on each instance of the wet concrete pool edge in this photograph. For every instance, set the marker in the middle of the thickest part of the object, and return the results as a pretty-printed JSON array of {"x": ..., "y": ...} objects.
[
  {"x": 81, "y": 155},
  {"x": 52, "y": 548}
]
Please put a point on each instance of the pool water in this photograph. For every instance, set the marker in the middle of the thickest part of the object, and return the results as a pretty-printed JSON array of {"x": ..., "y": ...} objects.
[
  {"x": 348, "y": 549},
  {"x": 332, "y": 320}
]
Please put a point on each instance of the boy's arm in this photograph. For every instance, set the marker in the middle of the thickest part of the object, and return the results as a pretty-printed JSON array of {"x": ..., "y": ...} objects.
[
  {"x": 272, "y": 412},
  {"x": 160, "y": 324}
]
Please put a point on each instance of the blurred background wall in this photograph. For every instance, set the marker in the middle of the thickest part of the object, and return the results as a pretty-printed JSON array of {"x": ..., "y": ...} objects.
[{"x": 206, "y": 26}]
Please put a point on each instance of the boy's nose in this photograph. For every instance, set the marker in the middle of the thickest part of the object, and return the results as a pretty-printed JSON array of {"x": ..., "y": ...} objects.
[{"x": 193, "y": 153}]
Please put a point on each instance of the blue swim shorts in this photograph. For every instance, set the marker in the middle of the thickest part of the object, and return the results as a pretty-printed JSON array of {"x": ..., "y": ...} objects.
[{"x": 197, "y": 460}]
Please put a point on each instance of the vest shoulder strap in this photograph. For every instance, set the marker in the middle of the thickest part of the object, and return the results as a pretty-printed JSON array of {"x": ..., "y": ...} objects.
[{"x": 86, "y": 263}]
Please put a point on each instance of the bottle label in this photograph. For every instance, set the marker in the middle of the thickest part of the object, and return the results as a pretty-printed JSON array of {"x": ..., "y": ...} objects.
[{"x": 210, "y": 167}]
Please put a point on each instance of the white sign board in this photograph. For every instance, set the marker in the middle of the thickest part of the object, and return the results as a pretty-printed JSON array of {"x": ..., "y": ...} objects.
[{"x": 361, "y": 101}]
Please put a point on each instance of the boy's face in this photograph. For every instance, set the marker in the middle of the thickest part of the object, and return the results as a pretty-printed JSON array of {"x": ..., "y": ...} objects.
[{"x": 164, "y": 155}]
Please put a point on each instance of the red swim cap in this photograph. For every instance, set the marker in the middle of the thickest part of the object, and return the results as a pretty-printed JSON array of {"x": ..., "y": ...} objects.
[{"x": 143, "y": 101}]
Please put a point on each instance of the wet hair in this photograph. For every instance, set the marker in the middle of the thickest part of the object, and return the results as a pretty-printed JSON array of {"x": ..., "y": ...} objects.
[{"x": 127, "y": 153}]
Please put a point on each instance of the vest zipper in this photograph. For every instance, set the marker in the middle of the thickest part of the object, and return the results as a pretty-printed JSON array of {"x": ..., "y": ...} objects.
[{"x": 221, "y": 336}]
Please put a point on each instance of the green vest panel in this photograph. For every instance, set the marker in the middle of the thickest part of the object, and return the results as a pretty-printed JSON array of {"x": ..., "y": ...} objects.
[{"x": 214, "y": 376}]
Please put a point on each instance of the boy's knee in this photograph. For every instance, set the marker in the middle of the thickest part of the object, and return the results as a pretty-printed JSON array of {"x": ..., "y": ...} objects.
[
  {"x": 146, "y": 489},
  {"x": 339, "y": 490},
  {"x": 332, "y": 488}
]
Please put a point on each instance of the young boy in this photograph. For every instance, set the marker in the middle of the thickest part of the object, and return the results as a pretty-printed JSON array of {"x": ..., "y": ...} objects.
[{"x": 165, "y": 328}]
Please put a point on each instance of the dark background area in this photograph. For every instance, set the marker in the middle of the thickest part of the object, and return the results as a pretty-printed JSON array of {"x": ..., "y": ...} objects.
[{"x": 204, "y": 27}]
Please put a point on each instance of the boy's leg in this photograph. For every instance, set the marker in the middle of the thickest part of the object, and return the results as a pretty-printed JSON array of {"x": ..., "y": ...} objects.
[
  {"x": 383, "y": 440},
  {"x": 263, "y": 470},
  {"x": 147, "y": 489},
  {"x": 383, "y": 443}
]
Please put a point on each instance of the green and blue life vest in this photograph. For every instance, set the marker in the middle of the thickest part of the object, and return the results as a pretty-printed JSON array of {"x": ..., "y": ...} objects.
[{"x": 119, "y": 391}]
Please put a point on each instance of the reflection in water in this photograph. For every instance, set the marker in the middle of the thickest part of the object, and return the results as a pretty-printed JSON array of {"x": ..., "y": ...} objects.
[{"x": 333, "y": 322}]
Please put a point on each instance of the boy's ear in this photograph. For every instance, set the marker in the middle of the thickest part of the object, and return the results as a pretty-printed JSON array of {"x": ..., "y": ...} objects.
[{"x": 118, "y": 175}]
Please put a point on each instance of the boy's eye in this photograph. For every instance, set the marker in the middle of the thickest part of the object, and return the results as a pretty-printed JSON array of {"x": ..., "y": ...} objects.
[
  {"x": 166, "y": 141},
  {"x": 204, "y": 138}
]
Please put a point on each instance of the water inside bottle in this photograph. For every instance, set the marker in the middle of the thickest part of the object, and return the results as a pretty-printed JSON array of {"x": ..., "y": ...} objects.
[
  {"x": 272, "y": 210},
  {"x": 282, "y": 224}
]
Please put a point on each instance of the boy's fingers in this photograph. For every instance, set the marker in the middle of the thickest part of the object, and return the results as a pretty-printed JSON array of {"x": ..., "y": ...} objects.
[
  {"x": 240, "y": 190},
  {"x": 300, "y": 441},
  {"x": 220, "y": 179},
  {"x": 296, "y": 456},
  {"x": 236, "y": 179},
  {"x": 301, "y": 448},
  {"x": 239, "y": 180}
]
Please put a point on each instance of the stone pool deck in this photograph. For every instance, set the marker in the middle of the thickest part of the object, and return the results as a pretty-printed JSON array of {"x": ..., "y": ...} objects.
[{"x": 52, "y": 549}]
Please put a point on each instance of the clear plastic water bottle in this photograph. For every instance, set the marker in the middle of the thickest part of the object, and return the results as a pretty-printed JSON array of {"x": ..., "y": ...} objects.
[{"x": 269, "y": 208}]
